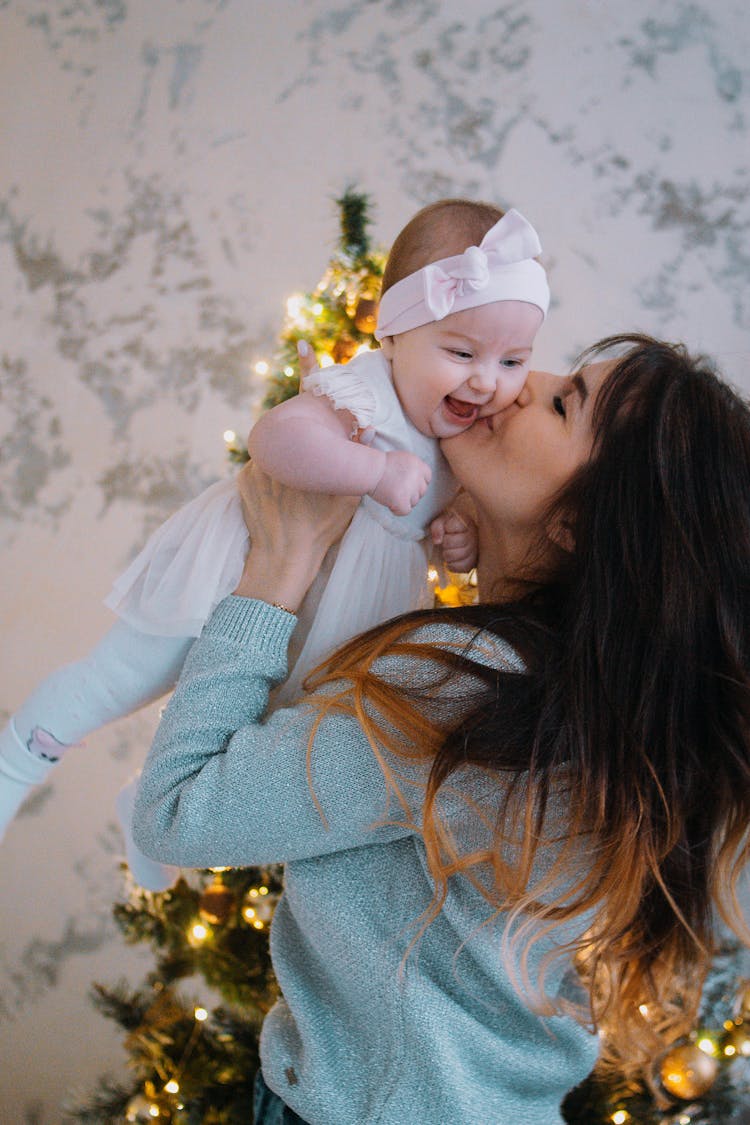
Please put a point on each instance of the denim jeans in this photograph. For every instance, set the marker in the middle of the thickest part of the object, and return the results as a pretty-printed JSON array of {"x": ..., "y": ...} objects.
[{"x": 268, "y": 1108}]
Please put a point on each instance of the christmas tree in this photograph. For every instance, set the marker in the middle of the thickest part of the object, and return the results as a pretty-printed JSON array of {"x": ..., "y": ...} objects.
[{"x": 193, "y": 1058}]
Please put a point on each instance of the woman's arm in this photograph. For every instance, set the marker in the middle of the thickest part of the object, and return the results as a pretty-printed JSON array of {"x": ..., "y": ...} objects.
[{"x": 221, "y": 786}]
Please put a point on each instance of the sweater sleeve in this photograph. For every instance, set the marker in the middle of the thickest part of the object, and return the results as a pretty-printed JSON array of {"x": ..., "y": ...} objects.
[{"x": 224, "y": 786}]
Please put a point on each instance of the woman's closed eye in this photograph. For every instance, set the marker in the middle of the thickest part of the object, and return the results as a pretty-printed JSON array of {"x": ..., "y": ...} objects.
[{"x": 558, "y": 402}]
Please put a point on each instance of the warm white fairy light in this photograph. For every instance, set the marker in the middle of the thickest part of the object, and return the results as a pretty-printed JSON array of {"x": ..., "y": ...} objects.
[
  {"x": 707, "y": 1046},
  {"x": 289, "y": 371},
  {"x": 261, "y": 367},
  {"x": 643, "y": 1009},
  {"x": 317, "y": 308},
  {"x": 294, "y": 306},
  {"x": 153, "y": 1110},
  {"x": 619, "y": 1117},
  {"x": 432, "y": 574},
  {"x": 230, "y": 437},
  {"x": 251, "y": 916},
  {"x": 199, "y": 932},
  {"x": 730, "y": 1050},
  {"x": 172, "y": 1087},
  {"x": 200, "y": 1014}
]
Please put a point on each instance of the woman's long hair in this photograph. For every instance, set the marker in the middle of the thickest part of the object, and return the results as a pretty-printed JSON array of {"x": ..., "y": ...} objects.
[{"x": 635, "y": 705}]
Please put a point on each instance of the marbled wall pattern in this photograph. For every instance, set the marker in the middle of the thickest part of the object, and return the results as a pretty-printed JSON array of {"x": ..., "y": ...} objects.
[{"x": 166, "y": 181}]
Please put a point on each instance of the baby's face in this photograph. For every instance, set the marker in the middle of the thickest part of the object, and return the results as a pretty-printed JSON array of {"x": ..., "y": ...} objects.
[{"x": 470, "y": 364}]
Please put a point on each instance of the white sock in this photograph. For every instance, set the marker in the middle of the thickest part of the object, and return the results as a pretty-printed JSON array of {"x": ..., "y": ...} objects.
[{"x": 22, "y": 767}]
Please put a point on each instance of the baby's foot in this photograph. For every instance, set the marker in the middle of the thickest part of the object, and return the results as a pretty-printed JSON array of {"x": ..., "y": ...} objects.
[{"x": 22, "y": 766}]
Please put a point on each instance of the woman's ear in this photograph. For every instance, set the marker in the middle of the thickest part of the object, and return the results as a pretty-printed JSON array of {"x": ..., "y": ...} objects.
[{"x": 562, "y": 536}]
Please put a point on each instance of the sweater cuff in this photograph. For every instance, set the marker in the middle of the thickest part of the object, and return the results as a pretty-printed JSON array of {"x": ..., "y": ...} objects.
[{"x": 246, "y": 620}]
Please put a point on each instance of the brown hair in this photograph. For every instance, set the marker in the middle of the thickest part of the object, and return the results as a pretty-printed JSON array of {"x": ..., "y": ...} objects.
[
  {"x": 439, "y": 230},
  {"x": 632, "y": 715}
]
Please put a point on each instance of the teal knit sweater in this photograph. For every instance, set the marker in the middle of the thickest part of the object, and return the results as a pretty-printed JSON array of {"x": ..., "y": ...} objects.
[{"x": 371, "y": 1028}]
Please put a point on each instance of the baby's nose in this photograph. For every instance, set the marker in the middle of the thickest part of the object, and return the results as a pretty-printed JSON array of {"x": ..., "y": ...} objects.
[{"x": 483, "y": 381}]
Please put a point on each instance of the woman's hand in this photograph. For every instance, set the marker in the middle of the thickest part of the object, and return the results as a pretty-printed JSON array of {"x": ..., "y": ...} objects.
[{"x": 290, "y": 533}]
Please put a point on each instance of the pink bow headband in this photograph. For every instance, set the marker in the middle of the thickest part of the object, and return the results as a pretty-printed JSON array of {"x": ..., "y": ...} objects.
[{"x": 501, "y": 268}]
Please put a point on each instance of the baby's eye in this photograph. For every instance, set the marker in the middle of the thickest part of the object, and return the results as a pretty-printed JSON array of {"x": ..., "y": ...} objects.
[
  {"x": 559, "y": 404},
  {"x": 512, "y": 362},
  {"x": 460, "y": 353}
]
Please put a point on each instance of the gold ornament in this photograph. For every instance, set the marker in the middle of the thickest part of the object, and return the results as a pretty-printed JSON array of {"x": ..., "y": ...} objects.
[
  {"x": 343, "y": 350},
  {"x": 216, "y": 903},
  {"x": 687, "y": 1072},
  {"x": 366, "y": 314}
]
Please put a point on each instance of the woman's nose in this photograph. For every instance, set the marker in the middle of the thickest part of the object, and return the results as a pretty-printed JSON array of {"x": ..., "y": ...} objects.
[{"x": 536, "y": 383}]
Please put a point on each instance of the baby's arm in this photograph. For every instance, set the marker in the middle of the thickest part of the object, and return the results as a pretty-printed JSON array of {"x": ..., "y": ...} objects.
[
  {"x": 305, "y": 443},
  {"x": 455, "y": 531}
]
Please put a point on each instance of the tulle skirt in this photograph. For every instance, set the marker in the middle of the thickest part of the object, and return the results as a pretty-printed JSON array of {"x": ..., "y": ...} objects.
[{"x": 378, "y": 570}]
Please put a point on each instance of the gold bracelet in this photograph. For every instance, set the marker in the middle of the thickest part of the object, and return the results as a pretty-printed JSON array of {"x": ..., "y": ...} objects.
[{"x": 286, "y": 609}]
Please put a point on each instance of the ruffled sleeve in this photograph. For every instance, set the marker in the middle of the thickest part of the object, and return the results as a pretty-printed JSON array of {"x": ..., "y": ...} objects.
[{"x": 349, "y": 387}]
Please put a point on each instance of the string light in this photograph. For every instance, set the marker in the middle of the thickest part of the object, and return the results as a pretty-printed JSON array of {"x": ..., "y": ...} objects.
[
  {"x": 317, "y": 308},
  {"x": 643, "y": 1009},
  {"x": 261, "y": 367},
  {"x": 432, "y": 574},
  {"x": 172, "y": 1087},
  {"x": 230, "y": 437},
  {"x": 620, "y": 1117},
  {"x": 255, "y": 891},
  {"x": 200, "y": 1014},
  {"x": 707, "y": 1046},
  {"x": 199, "y": 932},
  {"x": 289, "y": 371}
]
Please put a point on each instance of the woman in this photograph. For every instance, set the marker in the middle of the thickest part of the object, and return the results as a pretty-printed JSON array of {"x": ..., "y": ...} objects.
[{"x": 481, "y": 808}]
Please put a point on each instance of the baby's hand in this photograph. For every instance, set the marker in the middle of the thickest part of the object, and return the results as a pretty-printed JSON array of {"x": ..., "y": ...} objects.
[
  {"x": 456, "y": 533},
  {"x": 403, "y": 483}
]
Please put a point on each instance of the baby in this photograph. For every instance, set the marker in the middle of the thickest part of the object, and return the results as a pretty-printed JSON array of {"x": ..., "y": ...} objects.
[{"x": 462, "y": 300}]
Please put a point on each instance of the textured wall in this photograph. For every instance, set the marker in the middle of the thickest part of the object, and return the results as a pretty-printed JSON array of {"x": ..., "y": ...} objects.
[{"x": 166, "y": 181}]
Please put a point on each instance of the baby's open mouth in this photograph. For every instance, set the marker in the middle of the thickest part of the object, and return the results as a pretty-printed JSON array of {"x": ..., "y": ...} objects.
[{"x": 461, "y": 411}]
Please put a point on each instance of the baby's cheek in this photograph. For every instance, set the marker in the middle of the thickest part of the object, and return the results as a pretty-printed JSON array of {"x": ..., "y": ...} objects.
[{"x": 509, "y": 386}]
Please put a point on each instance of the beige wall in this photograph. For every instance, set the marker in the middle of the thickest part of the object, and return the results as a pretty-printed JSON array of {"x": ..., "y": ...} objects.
[{"x": 167, "y": 174}]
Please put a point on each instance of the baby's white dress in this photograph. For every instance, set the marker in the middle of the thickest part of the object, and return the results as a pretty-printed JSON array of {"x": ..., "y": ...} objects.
[{"x": 378, "y": 570}]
